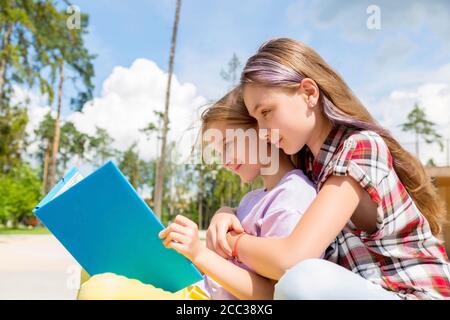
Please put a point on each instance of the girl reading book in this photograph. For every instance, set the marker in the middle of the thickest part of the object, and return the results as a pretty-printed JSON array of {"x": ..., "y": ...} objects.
[{"x": 268, "y": 212}]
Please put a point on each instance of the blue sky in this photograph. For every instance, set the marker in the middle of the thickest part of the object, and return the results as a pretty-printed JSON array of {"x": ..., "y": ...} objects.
[
  {"x": 406, "y": 61},
  {"x": 413, "y": 35}
]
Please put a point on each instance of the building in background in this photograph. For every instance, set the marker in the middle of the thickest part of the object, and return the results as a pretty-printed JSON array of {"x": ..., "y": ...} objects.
[{"x": 441, "y": 176}]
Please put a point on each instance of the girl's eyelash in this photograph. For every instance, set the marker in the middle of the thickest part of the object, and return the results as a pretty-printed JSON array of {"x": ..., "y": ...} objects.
[{"x": 264, "y": 112}]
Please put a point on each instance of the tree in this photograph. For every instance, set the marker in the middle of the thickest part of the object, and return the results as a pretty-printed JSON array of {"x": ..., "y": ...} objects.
[
  {"x": 19, "y": 194},
  {"x": 101, "y": 144},
  {"x": 17, "y": 30},
  {"x": 74, "y": 144},
  {"x": 422, "y": 128},
  {"x": 231, "y": 75},
  {"x": 36, "y": 47},
  {"x": 18, "y": 65},
  {"x": 12, "y": 137},
  {"x": 58, "y": 46},
  {"x": 62, "y": 47},
  {"x": 25, "y": 33},
  {"x": 153, "y": 128},
  {"x": 431, "y": 163},
  {"x": 44, "y": 136},
  {"x": 137, "y": 170},
  {"x": 160, "y": 169}
]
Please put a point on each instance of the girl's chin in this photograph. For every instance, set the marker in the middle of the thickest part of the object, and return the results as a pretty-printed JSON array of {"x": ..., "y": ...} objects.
[
  {"x": 247, "y": 179},
  {"x": 288, "y": 151}
]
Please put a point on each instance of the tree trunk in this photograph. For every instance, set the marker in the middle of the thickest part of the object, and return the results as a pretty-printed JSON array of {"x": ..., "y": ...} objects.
[
  {"x": 159, "y": 183},
  {"x": 55, "y": 147},
  {"x": 200, "y": 213},
  {"x": 6, "y": 38},
  {"x": 201, "y": 192},
  {"x": 200, "y": 200},
  {"x": 45, "y": 172}
]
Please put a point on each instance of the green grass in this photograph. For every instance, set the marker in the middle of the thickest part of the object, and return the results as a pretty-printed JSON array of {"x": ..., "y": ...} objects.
[{"x": 38, "y": 230}]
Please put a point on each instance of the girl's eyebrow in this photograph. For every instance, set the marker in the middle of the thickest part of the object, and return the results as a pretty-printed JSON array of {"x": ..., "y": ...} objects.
[
  {"x": 261, "y": 105},
  {"x": 258, "y": 105}
]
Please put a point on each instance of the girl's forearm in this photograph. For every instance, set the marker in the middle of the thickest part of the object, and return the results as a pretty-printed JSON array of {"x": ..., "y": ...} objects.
[
  {"x": 243, "y": 284},
  {"x": 272, "y": 257},
  {"x": 267, "y": 256},
  {"x": 321, "y": 223}
]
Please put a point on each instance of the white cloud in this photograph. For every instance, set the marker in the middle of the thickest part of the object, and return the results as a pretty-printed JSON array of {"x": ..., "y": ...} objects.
[
  {"x": 434, "y": 98},
  {"x": 127, "y": 103}
]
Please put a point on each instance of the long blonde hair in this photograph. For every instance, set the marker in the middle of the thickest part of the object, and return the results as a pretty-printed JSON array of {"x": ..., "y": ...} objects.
[{"x": 285, "y": 62}]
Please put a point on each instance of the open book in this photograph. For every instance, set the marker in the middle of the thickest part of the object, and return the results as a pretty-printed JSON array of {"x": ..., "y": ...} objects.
[{"x": 107, "y": 227}]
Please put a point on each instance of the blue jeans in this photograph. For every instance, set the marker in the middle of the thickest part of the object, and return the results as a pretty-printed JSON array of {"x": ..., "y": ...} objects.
[{"x": 323, "y": 280}]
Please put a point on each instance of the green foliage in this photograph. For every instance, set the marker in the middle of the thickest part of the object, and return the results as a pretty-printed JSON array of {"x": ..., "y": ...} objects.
[
  {"x": 138, "y": 171},
  {"x": 101, "y": 143},
  {"x": 72, "y": 143},
  {"x": 19, "y": 194},
  {"x": 13, "y": 123},
  {"x": 26, "y": 36},
  {"x": 55, "y": 43},
  {"x": 34, "y": 42},
  {"x": 96, "y": 148},
  {"x": 418, "y": 123},
  {"x": 24, "y": 230},
  {"x": 431, "y": 163}
]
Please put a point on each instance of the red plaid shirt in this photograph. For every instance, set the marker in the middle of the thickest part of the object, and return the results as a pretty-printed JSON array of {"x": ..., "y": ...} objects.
[{"x": 402, "y": 255}]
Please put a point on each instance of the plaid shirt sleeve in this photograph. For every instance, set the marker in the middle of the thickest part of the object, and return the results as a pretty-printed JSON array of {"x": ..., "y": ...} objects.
[{"x": 365, "y": 157}]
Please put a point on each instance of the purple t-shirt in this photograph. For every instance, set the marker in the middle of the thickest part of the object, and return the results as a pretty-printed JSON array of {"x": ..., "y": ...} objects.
[{"x": 272, "y": 213}]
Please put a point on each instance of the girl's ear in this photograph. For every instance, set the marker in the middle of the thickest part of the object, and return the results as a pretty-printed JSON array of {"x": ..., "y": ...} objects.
[{"x": 310, "y": 91}]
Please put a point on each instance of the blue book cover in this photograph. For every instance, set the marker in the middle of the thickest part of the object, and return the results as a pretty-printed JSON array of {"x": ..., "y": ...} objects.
[{"x": 107, "y": 227}]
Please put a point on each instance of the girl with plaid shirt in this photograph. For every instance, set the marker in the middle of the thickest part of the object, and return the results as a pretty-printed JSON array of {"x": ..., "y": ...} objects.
[{"x": 377, "y": 214}]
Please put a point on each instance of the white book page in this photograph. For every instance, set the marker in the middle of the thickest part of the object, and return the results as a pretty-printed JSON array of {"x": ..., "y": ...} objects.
[{"x": 77, "y": 177}]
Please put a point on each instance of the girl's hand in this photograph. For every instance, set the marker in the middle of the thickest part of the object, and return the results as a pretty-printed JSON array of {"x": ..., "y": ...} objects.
[
  {"x": 224, "y": 220},
  {"x": 182, "y": 235}
]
